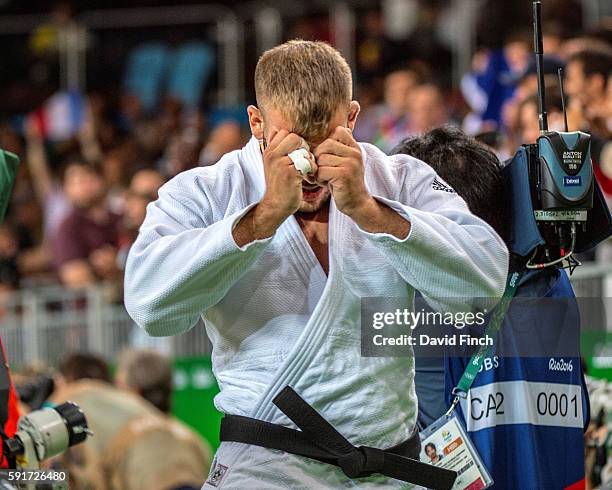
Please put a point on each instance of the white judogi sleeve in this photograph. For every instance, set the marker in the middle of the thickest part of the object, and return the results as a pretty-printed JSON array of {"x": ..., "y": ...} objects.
[
  {"x": 183, "y": 261},
  {"x": 449, "y": 253}
]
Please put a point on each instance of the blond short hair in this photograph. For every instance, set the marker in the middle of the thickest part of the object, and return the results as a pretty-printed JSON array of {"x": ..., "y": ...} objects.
[{"x": 307, "y": 81}]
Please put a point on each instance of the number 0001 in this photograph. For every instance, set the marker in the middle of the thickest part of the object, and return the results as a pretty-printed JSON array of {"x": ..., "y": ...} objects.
[{"x": 553, "y": 404}]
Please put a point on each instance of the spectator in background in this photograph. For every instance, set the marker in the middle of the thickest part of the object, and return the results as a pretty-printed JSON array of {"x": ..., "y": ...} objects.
[
  {"x": 526, "y": 85},
  {"x": 143, "y": 189},
  {"x": 427, "y": 109},
  {"x": 116, "y": 170},
  {"x": 370, "y": 46},
  {"x": 46, "y": 184},
  {"x": 488, "y": 86},
  {"x": 148, "y": 374},
  {"x": 528, "y": 121},
  {"x": 527, "y": 82},
  {"x": 135, "y": 446},
  {"x": 577, "y": 44},
  {"x": 605, "y": 157},
  {"x": 587, "y": 78},
  {"x": 552, "y": 38},
  {"x": 586, "y": 86},
  {"x": 131, "y": 112},
  {"x": 181, "y": 153},
  {"x": 225, "y": 137},
  {"x": 45, "y": 43},
  {"x": 85, "y": 245},
  {"x": 386, "y": 124},
  {"x": 9, "y": 139},
  {"x": 81, "y": 365}
]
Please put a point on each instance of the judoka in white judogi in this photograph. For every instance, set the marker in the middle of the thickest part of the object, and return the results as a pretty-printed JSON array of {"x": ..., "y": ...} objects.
[{"x": 275, "y": 318}]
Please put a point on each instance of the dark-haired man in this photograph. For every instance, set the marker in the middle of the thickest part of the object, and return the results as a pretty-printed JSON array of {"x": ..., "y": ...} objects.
[
  {"x": 81, "y": 365},
  {"x": 586, "y": 82},
  {"x": 520, "y": 446},
  {"x": 474, "y": 172}
]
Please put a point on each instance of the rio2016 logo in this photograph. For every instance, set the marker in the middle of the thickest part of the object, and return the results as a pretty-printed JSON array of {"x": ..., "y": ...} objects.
[{"x": 560, "y": 365}]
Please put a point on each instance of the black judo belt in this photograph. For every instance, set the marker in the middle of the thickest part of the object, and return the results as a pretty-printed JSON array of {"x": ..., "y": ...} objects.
[{"x": 318, "y": 440}]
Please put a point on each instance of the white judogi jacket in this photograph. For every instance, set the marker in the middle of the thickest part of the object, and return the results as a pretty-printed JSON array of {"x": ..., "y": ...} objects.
[{"x": 275, "y": 319}]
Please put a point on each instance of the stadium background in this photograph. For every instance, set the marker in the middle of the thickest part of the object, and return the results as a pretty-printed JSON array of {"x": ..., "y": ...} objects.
[{"x": 163, "y": 86}]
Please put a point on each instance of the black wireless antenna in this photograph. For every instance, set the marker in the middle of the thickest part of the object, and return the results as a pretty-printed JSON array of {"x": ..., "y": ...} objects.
[
  {"x": 539, "y": 53},
  {"x": 560, "y": 72}
]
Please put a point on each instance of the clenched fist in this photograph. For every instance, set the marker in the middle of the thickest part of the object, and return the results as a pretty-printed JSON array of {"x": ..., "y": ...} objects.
[
  {"x": 283, "y": 181},
  {"x": 340, "y": 167}
]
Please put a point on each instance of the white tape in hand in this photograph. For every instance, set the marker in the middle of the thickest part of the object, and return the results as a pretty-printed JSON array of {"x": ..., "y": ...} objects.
[{"x": 301, "y": 158}]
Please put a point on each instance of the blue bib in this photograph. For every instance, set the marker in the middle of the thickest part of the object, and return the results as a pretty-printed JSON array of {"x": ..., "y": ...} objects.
[{"x": 526, "y": 415}]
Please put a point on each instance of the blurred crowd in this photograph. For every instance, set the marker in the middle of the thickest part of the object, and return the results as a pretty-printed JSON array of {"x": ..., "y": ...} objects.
[
  {"x": 80, "y": 199},
  {"x": 77, "y": 204}
]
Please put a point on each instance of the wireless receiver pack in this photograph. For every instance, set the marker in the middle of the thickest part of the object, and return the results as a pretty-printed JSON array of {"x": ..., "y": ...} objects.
[{"x": 557, "y": 206}]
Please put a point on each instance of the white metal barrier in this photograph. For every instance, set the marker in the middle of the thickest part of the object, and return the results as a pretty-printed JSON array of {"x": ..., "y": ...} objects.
[
  {"x": 593, "y": 280},
  {"x": 43, "y": 325}
]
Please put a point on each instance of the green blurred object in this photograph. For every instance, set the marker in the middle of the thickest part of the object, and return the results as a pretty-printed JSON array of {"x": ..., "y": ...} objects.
[
  {"x": 8, "y": 171},
  {"x": 194, "y": 390},
  {"x": 596, "y": 349}
]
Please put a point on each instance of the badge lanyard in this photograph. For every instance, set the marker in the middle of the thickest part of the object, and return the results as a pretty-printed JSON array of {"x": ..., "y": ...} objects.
[{"x": 471, "y": 370}]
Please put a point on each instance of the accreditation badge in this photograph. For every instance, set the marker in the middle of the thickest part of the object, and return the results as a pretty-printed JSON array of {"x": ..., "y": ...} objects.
[{"x": 445, "y": 444}]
